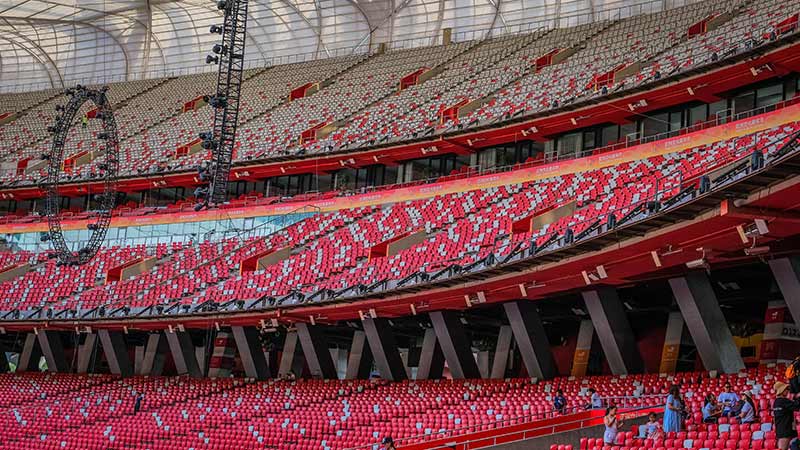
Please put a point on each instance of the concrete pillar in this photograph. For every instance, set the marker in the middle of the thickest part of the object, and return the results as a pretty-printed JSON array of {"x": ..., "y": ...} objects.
[
  {"x": 359, "y": 362},
  {"x": 672, "y": 343},
  {"x": 384, "y": 349},
  {"x": 315, "y": 349},
  {"x": 292, "y": 360},
  {"x": 531, "y": 338},
  {"x": 455, "y": 344},
  {"x": 30, "y": 355},
  {"x": 483, "y": 359},
  {"x": 501, "y": 353},
  {"x": 613, "y": 330},
  {"x": 787, "y": 274},
  {"x": 86, "y": 353},
  {"x": 583, "y": 348},
  {"x": 184, "y": 354},
  {"x": 116, "y": 351},
  {"x": 53, "y": 351},
  {"x": 248, "y": 343},
  {"x": 431, "y": 358},
  {"x": 201, "y": 356},
  {"x": 155, "y": 355},
  {"x": 707, "y": 325}
]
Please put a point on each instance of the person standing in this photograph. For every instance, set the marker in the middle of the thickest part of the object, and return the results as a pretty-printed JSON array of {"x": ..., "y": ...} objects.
[
  {"x": 672, "y": 410},
  {"x": 612, "y": 423},
  {"x": 783, "y": 410}
]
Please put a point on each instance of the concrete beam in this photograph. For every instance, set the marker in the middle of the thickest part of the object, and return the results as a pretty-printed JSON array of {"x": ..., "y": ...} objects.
[
  {"x": 248, "y": 343},
  {"x": 706, "y": 323},
  {"x": 456, "y": 346},
  {"x": 116, "y": 351},
  {"x": 531, "y": 338},
  {"x": 359, "y": 362},
  {"x": 184, "y": 354},
  {"x": 315, "y": 349},
  {"x": 384, "y": 349},
  {"x": 613, "y": 330}
]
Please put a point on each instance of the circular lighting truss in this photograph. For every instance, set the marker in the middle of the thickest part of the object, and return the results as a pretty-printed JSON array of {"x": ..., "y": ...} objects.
[{"x": 107, "y": 165}]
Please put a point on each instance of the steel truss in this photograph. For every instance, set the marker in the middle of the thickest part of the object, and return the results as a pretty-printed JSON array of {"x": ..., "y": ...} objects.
[
  {"x": 230, "y": 57},
  {"x": 108, "y": 168}
]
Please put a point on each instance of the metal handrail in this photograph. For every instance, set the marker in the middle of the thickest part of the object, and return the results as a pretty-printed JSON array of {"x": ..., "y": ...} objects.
[{"x": 516, "y": 420}]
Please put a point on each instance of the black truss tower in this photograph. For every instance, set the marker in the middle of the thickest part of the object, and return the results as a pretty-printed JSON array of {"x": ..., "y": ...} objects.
[
  {"x": 229, "y": 85},
  {"x": 108, "y": 168}
]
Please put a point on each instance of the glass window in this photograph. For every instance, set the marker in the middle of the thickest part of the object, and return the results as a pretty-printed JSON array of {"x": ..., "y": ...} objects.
[
  {"x": 769, "y": 95},
  {"x": 698, "y": 114},
  {"x": 744, "y": 102},
  {"x": 675, "y": 120},
  {"x": 655, "y": 124},
  {"x": 589, "y": 140},
  {"x": 717, "y": 110},
  {"x": 569, "y": 144},
  {"x": 609, "y": 135}
]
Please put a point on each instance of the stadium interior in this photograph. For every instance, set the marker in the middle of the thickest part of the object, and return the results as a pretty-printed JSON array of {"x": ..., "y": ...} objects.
[{"x": 437, "y": 215}]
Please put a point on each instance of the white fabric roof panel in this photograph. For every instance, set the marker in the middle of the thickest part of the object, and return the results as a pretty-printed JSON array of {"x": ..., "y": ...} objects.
[{"x": 56, "y": 43}]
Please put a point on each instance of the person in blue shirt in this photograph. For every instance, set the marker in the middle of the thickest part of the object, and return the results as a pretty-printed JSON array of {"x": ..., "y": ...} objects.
[
  {"x": 560, "y": 402},
  {"x": 728, "y": 400},
  {"x": 672, "y": 410},
  {"x": 711, "y": 411},
  {"x": 748, "y": 412}
]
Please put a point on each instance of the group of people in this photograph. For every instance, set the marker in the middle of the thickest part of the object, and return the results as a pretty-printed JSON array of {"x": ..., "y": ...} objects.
[
  {"x": 726, "y": 404},
  {"x": 560, "y": 401},
  {"x": 729, "y": 404}
]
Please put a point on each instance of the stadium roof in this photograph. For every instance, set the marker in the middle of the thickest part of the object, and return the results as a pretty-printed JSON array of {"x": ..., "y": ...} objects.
[{"x": 52, "y": 43}]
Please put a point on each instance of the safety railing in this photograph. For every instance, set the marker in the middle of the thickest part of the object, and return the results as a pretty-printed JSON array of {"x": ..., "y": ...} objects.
[{"x": 546, "y": 422}]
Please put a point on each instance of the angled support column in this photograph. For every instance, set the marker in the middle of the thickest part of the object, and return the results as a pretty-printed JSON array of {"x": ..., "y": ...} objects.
[
  {"x": 580, "y": 361},
  {"x": 787, "y": 274},
  {"x": 707, "y": 325},
  {"x": 292, "y": 361},
  {"x": 531, "y": 338},
  {"x": 431, "y": 358},
  {"x": 155, "y": 355},
  {"x": 86, "y": 353},
  {"x": 30, "y": 355},
  {"x": 359, "y": 362},
  {"x": 672, "y": 343},
  {"x": 613, "y": 330},
  {"x": 318, "y": 357},
  {"x": 501, "y": 352},
  {"x": 53, "y": 351},
  {"x": 251, "y": 353},
  {"x": 184, "y": 354},
  {"x": 116, "y": 351},
  {"x": 456, "y": 347},
  {"x": 384, "y": 349}
]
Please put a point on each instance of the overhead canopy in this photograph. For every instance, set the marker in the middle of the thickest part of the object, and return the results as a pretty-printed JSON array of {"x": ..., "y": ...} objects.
[{"x": 52, "y": 43}]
